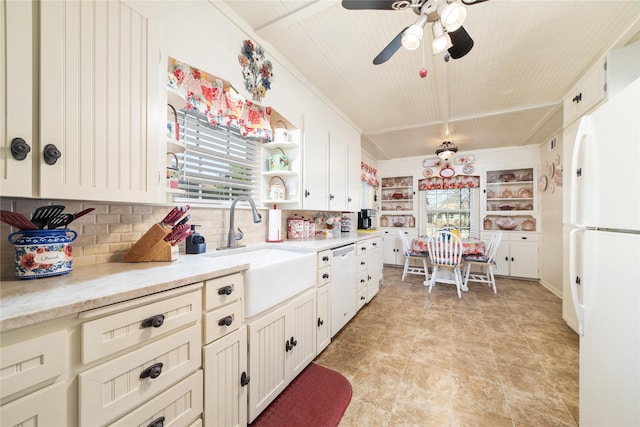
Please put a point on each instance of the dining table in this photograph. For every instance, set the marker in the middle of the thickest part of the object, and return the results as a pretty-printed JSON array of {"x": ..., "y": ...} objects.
[{"x": 470, "y": 245}]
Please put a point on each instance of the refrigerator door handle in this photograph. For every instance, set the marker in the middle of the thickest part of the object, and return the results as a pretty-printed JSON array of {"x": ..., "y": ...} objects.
[
  {"x": 574, "y": 279},
  {"x": 584, "y": 131}
]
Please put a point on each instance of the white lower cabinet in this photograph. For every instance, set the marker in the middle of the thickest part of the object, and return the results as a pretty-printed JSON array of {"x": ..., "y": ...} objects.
[
  {"x": 282, "y": 343},
  {"x": 392, "y": 245},
  {"x": 518, "y": 255},
  {"x": 46, "y": 407},
  {"x": 225, "y": 386},
  {"x": 374, "y": 267},
  {"x": 323, "y": 301}
]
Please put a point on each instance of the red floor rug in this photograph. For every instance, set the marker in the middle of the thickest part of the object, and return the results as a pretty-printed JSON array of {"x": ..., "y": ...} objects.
[{"x": 317, "y": 397}]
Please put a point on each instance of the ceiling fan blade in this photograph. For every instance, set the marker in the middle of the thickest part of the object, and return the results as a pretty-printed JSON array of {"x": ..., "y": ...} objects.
[
  {"x": 368, "y": 4},
  {"x": 390, "y": 49},
  {"x": 461, "y": 41},
  {"x": 472, "y": 2}
]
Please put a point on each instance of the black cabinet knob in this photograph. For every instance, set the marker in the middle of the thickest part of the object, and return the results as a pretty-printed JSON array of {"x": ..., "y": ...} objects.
[
  {"x": 577, "y": 98},
  {"x": 325, "y": 258},
  {"x": 306, "y": 193},
  {"x": 19, "y": 148},
  {"x": 331, "y": 197},
  {"x": 294, "y": 342},
  {"x": 51, "y": 154},
  {"x": 152, "y": 371},
  {"x": 225, "y": 321},
  {"x": 362, "y": 298},
  {"x": 158, "y": 422},
  {"x": 226, "y": 290},
  {"x": 325, "y": 276},
  {"x": 244, "y": 379},
  {"x": 287, "y": 346},
  {"x": 320, "y": 322},
  {"x": 153, "y": 321}
]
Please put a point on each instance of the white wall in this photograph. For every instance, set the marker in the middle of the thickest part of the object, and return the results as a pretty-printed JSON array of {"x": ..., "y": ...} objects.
[{"x": 551, "y": 217}]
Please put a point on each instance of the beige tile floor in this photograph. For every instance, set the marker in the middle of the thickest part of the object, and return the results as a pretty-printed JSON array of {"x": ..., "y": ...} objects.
[{"x": 415, "y": 358}]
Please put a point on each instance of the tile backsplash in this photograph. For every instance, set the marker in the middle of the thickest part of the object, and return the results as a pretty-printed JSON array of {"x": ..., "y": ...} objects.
[{"x": 108, "y": 232}]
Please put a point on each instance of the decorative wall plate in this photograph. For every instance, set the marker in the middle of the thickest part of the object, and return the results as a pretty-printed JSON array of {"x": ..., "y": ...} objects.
[
  {"x": 549, "y": 168},
  {"x": 467, "y": 169},
  {"x": 427, "y": 172},
  {"x": 542, "y": 183},
  {"x": 463, "y": 160},
  {"x": 428, "y": 163},
  {"x": 447, "y": 172}
]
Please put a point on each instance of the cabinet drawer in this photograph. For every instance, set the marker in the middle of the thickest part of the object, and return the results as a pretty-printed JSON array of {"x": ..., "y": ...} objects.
[
  {"x": 361, "y": 298},
  {"x": 361, "y": 262},
  {"x": 361, "y": 247},
  {"x": 374, "y": 243},
  {"x": 324, "y": 276},
  {"x": 213, "y": 328},
  {"x": 223, "y": 290},
  {"x": 524, "y": 237},
  {"x": 110, "y": 334},
  {"x": 324, "y": 258},
  {"x": 362, "y": 280},
  {"x": 33, "y": 362},
  {"x": 115, "y": 387},
  {"x": 177, "y": 407},
  {"x": 43, "y": 407}
]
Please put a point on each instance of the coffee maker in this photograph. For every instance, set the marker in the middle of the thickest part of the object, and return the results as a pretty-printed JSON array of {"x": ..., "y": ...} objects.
[{"x": 365, "y": 219}]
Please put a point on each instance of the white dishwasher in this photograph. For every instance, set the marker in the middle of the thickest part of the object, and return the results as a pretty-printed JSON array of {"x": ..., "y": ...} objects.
[{"x": 343, "y": 286}]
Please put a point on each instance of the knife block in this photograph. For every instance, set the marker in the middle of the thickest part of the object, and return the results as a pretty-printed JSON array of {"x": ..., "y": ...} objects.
[{"x": 152, "y": 247}]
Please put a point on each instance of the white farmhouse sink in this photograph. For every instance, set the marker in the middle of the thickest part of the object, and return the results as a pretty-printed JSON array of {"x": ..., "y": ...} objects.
[{"x": 275, "y": 275}]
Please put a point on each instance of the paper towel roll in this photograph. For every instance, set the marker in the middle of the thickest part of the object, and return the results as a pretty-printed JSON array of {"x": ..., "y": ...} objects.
[{"x": 275, "y": 225}]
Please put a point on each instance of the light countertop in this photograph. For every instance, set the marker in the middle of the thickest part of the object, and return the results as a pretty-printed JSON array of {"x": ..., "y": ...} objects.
[{"x": 26, "y": 302}]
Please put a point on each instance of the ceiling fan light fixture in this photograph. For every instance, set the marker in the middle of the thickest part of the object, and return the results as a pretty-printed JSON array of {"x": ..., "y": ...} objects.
[
  {"x": 412, "y": 37},
  {"x": 452, "y": 15},
  {"x": 440, "y": 39},
  {"x": 446, "y": 150}
]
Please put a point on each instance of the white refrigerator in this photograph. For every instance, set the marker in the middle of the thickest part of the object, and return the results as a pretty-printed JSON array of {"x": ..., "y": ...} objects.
[{"x": 604, "y": 259}]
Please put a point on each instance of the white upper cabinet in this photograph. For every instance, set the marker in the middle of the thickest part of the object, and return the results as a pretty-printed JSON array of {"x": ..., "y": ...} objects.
[
  {"x": 315, "y": 190},
  {"x": 586, "y": 93},
  {"x": 100, "y": 125},
  {"x": 16, "y": 98}
]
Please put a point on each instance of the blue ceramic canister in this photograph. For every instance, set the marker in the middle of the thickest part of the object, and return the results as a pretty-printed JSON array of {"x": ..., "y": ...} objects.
[{"x": 43, "y": 253}]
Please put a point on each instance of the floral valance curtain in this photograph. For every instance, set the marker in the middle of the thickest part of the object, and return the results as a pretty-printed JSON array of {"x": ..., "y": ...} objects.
[
  {"x": 218, "y": 101},
  {"x": 452, "y": 183},
  {"x": 368, "y": 174}
]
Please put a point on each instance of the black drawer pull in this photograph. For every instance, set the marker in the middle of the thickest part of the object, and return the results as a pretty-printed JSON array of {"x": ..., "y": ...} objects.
[
  {"x": 362, "y": 298},
  {"x": 287, "y": 346},
  {"x": 325, "y": 276},
  {"x": 225, "y": 321},
  {"x": 158, "y": 422},
  {"x": 153, "y": 321},
  {"x": 325, "y": 258},
  {"x": 244, "y": 379},
  {"x": 320, "y": 322},
  {"x": 226, "y": 290},
  {"x": 152, "y": 371},
  {"x": 294, "y": 342}
]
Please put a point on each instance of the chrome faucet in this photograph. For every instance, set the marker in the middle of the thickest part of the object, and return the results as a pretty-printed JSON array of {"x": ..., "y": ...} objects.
[{"x": 232, "y": 233}]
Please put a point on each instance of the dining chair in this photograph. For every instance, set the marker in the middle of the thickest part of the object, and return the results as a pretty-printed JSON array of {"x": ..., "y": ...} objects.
[
  {"x": 410, "y": 255},
  {"x": 445, "y": 251},
  {"x": 486, "y": 263}
]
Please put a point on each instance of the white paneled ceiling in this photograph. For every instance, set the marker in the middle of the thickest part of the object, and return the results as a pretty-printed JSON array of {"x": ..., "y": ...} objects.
[{"x": 507, "y": 91}]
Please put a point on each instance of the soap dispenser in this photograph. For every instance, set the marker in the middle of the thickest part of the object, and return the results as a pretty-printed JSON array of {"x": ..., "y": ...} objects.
[{"x": 195, "y": 242}]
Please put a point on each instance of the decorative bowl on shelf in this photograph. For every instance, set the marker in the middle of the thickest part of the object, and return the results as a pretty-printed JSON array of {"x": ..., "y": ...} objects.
[
  {"x": 397, "y": 195},
  {"x": 506, "y": 194},
  {"x": 399, "y": 221},
  {"x": 529, "y": 225},
  {"x": 525, "y": 193},
  {"x": 506, "y": 207},
  {"x": 506, "y": 177},
  {"x": 506, "y": 223}
]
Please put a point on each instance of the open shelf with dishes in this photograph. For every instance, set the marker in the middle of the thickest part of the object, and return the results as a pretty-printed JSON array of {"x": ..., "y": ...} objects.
[
  {"x": 510, "y": 190},
  {"x": 280, "y": 164},
  {"x": 396, "y": 194}
]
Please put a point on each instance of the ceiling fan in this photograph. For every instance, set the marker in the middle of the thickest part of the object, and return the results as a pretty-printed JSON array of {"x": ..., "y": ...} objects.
[{"x": 446, "y": 17}]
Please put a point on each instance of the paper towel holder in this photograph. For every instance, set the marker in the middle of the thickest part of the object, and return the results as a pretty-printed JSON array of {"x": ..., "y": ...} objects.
[{"x": 275, "y": 228}]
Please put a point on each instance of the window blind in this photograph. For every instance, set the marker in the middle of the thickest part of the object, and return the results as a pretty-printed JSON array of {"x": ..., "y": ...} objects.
[
  {"x": 219, "y": 163},
  {"x": 367, "y": 195},
  {"x": 451, "y": 207}
]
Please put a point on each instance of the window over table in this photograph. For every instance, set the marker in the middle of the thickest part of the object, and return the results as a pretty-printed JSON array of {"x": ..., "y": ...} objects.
[{"x": 449, "y": 202}]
